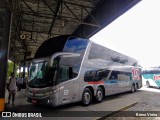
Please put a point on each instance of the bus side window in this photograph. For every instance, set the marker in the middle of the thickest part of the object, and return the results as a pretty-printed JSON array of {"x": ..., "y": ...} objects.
[
  {"x": 63, "y": 73},
  {"x": 90, "y": 76},
  {"x": 113, "y": 75},
  {"x": 71, "y": 75},
  {"x": 100, "y": 75},
  {"x": 66, "y": 73}
]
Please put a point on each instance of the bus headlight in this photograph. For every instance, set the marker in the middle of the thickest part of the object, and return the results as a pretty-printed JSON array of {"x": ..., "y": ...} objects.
[{"x": 49, "y": 101}]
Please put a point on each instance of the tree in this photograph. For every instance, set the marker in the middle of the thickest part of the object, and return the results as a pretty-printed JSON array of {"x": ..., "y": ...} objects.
[{"x": 10, "y": 68}]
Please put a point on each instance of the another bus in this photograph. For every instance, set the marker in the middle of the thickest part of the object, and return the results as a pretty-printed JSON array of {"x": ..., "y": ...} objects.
[
  {"x": 69, "y": 69},
  {"x": 151, "y": 77}
]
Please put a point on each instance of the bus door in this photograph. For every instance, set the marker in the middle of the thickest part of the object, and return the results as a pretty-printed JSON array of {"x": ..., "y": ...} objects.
[{"x": 65, "y": 86}]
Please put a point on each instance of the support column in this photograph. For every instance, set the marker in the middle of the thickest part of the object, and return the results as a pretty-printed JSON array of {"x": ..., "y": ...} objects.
[
  {"x": 28, "y": 66},
  {"x": 4, "y": 56},
  {"x": 24, "y": 66},
  {"x": 19, "y": 67}
]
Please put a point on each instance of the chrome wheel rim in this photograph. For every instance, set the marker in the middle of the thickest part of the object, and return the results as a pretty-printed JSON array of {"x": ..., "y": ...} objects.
[
  {"x": 87, "y": 97},
  {"x": 99, "y": 95}
]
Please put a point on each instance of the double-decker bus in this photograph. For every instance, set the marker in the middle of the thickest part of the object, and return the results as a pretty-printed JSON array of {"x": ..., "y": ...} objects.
[
  {"x": 69, "y": 69},
  {"x": 151, "y": 77}
]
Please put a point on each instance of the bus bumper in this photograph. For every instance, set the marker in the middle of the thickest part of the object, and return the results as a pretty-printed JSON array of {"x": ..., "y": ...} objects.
[{"x": 45, "y": 101}]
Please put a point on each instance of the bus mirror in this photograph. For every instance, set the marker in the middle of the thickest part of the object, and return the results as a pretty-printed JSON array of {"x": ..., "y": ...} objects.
[
  {"x": 71, "y": 55},
  {"x": 62, "y": 54}
]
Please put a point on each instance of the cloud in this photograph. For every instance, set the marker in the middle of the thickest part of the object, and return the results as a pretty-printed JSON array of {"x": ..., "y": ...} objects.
[{"x": 135, "y": 33}]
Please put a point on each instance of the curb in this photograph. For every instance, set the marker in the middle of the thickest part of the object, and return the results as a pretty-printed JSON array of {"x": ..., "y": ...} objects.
[{"x": 115, "y": 112}]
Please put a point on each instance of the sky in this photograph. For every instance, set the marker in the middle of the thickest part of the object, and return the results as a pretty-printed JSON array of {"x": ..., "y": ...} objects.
[{"x": 136, "y": 33}]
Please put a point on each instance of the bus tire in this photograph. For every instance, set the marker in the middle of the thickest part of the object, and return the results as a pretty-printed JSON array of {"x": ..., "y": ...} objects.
[
  {"x": 147, "y": 84},
  {"x": 137, "y": 86},
  {"x": 99, "y": 95},
  {"x": 86, "y": 97},
  {"x": 133, "y": 88}
]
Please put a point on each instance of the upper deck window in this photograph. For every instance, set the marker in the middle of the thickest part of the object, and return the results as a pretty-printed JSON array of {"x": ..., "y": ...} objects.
[{"x": 75, "y": 45}]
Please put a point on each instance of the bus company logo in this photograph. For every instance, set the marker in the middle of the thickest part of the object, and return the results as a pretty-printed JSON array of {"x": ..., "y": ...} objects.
[
  {"x": 6, "y": 114},
  {"x": 15, "y": 114},
  {"x": 156, "y": 77},
  {"x": 135, "y": 72}
]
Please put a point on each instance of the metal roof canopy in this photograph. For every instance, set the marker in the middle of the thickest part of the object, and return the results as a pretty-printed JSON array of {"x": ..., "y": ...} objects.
[{"x": 34, "y": 21}]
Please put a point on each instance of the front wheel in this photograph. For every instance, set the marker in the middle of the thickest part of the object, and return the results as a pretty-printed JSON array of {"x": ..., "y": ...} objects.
[
  {"x": 147, "y": 84},
  {"x": 99, "y": 95},
  {"x": 86, "y": 97},
  {"x": 135, "y": 88}
]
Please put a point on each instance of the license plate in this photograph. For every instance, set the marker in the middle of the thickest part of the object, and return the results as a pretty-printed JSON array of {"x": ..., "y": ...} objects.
[{"x": 34, "y": 101}]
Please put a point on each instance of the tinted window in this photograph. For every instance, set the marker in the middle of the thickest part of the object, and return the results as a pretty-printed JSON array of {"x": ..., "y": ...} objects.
[
  {"x": 63, "y": 73},
  {"x": 66, "y": 73},
  {"x": 74, "y": 45},
  {"x": 97, "y": 75},
  {"x": 90, "y": 76},
  {"x": 119, "y": 75},
  {"x": 37, "y": 71},
  {"x": 97, "y": 51}
]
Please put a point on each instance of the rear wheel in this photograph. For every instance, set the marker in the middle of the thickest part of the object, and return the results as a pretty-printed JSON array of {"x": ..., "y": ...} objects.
[
  {"x": 137, "y": 86},
  {"x": 133, "y": 88},
  {"x": 86, "y": 96},
  {"x": 99, "y": 95},
  {"x": 147, "y": 84}
]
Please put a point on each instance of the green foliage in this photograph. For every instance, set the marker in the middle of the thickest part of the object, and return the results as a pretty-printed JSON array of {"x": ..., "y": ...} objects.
[{"x": 10, "y": 68}]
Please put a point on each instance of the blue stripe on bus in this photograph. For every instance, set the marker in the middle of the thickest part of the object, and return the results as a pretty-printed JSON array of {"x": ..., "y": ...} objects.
[{"x": 111, "y": 81}]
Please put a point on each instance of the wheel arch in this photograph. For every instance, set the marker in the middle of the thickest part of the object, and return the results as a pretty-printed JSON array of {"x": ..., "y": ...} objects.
[
  {"x": 89, "y": 87},
  {"x": 103, "y": 88}
]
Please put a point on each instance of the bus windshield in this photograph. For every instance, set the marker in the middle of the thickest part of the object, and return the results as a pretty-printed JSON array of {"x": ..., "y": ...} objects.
[{"x": 42, "y": 75}]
